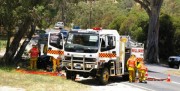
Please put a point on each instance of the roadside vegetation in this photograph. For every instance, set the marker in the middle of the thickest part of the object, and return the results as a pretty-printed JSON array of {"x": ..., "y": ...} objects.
[
  {"x": 19, "y": 19},
  {"x": 2, "y": 44},
  {"x": 29, "y": 82},
  {"x": 173, "y": 72}
]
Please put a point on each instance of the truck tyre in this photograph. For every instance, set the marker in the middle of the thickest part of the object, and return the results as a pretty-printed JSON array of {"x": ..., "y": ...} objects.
[
  {"x": 104, "y": 76},
  {"x": 85, "y": 76},
  {"x": 73, "y": 76},
  {"x": 171, "y": 65},
  {"x": 125, "y": 77},
  {"x": 68, "y": 75}
]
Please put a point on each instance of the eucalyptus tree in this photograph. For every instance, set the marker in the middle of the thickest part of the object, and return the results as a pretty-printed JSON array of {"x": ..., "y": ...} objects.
[
  {"x": 20, "y": 15},
  {"x": 152, "y": 7}
]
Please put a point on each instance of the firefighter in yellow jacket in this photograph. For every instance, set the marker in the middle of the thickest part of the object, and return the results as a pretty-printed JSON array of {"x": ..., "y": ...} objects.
[
  {"x": 56, "y": 63},
  {"x": 34, "y": 53},
  {"x": 131, "y": 64},
  {"x": 141, "y": 72}
]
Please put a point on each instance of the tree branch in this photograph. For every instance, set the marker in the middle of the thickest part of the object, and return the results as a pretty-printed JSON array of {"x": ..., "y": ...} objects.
[
  {"x": 145, "y": 5},
  {"x": 159, "y": 2},
  {"x": 147, "y": 2}
]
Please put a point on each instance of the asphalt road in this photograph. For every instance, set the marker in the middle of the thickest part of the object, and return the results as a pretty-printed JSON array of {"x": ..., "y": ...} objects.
[{"x": 155, "y": 71}]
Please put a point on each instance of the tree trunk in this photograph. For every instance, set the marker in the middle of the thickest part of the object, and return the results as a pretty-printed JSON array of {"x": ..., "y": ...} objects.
[
  {"x": 23, "y": 46},
  {"x": 15, "y": 43},
  {"x": 152, "y": 55},
  {"x": 8, "y": 41}
]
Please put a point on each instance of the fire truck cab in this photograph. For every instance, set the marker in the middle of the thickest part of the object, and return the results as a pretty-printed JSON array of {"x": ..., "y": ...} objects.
[{"x": 97, "y": 52}]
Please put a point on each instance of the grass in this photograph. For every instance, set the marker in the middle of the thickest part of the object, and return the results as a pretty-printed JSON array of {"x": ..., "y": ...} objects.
[{"x": 31, "y": 82}]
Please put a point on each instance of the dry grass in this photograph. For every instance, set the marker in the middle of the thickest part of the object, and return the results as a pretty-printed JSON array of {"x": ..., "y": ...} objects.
[
  {"x": 38, "y": 82},
  {"x": 173, "y": 72}
]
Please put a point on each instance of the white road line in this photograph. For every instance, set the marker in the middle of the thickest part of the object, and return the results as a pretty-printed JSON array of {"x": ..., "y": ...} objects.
[
  {"x": 175, "y": 82},
  {"x": 140, "y": 87}
]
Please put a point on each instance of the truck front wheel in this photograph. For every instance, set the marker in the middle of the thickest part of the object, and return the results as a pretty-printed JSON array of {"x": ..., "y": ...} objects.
[
  {"x": 104, "y": 76},
  {"x": 70, "y": 75},
  {"x": 73, "y": 76},
  {"x": 171, "y": 65}
]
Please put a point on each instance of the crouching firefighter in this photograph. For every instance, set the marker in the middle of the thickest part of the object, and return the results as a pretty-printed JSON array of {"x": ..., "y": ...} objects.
[
  {"x": 131, "y": 64},
  {"x": 141, "y": 72}
]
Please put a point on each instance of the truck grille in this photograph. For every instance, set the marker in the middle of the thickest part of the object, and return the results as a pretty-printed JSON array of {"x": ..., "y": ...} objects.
[{"x": 80, "y": 58}]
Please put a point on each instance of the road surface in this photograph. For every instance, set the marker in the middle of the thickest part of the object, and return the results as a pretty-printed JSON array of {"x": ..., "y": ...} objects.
[{"x": 155, "y": 71}]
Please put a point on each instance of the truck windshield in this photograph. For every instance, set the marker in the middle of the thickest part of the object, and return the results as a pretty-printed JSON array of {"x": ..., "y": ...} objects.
[{"x": 82, "y": 43}]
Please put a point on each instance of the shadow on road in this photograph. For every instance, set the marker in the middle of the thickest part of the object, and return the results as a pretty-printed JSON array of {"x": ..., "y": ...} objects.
[
  {"x": 94, "y": 81},
  {"x": 153, "y": 71}
]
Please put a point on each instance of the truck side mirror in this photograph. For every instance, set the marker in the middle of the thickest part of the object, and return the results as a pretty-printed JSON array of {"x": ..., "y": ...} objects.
[{"x": 60, "y": 44}]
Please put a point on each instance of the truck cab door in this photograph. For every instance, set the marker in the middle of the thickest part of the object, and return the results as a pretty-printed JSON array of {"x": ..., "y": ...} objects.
[{"x": 55, "y": 44}]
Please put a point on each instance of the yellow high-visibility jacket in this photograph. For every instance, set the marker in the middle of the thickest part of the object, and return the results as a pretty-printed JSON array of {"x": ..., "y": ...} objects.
[
  {"x": 141, "y": 67},
  {"x": 131, "y": 68}
]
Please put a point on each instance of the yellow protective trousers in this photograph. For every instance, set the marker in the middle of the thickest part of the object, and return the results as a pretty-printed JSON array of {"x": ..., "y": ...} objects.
[
  {"x": 141, "y": 74},
  {"x": 33, "y": 63},
  {"x": 131, "y": 74},
  {"x": 56, "y": 63}
]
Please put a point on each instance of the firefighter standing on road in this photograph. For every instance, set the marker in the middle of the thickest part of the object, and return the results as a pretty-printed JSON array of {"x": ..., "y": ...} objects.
[
  {"x": 131, "y": 64},
  {"x": 141, "y": 72},
  {"x": 34, "y": 53}
]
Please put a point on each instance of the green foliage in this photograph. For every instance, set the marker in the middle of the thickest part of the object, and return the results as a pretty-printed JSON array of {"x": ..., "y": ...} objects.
[
  {"x": 176, "y": 40},
  {"x": 169, "y": 37},
  {"x": 125, "y": 16},
  {"x": 14, "y": 12},
  {"x": 117, "y": 21},
  {"x": 171, "y": 7},
  {"x": 133, "y": 24},
  {"x": 166, "y": 36}
]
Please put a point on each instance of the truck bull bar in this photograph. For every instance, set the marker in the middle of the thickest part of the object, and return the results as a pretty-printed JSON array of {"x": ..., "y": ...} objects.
[{"x": 79, "y": 64}]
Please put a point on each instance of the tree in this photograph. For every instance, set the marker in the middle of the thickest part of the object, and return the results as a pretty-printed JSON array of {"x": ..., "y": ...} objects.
[
  {"x": 152, "y": 7},
  {"x": 43, "y": 16},
  {"x": 166, "y": 36},
  {"x": 22, "y": 14}
]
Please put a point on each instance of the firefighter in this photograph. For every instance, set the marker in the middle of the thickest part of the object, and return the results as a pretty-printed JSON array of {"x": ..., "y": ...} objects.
[
  {"x": 131, "y": 64},
  {"x": 45, "y": 49},
  {"x": 56, "y": 63},
  {"x": 34, "y": 53},
  {"x": 141, "y": 72}
]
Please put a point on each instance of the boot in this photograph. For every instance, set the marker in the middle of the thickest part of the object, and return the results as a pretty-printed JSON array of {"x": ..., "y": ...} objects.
[{"x": 145, "y": 82}]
